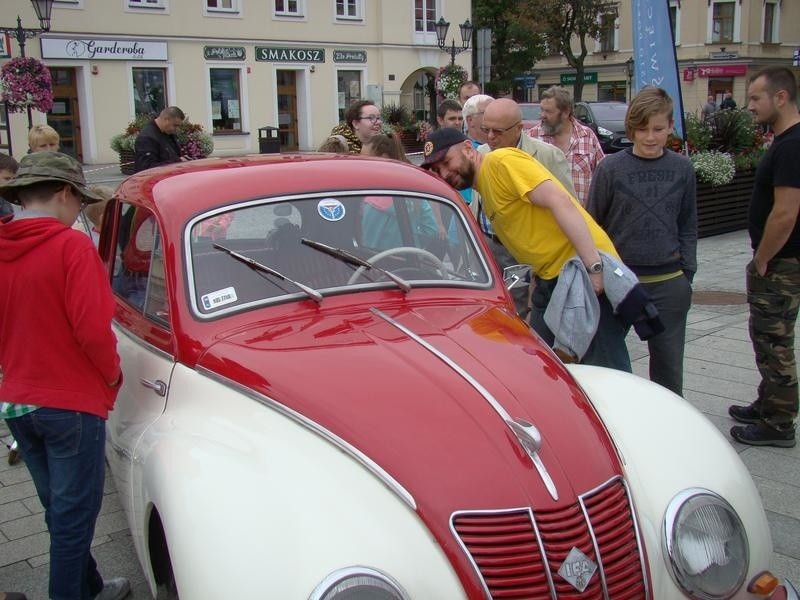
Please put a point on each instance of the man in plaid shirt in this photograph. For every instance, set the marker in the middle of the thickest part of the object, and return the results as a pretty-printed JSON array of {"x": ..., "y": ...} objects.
[{"x": 578, "y": 142}]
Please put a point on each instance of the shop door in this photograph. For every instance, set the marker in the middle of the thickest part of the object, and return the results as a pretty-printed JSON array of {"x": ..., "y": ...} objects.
[
  {"x": 287, "y": 109},
  {"x": 65, "y": 116},
  {"x": 717, "y": 88}
]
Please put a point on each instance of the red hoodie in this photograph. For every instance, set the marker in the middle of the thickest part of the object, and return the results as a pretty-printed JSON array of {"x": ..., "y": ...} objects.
[{"x": 57, "y": 349}]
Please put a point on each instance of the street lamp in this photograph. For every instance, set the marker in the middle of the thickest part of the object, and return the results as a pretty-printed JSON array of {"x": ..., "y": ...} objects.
[
  {"x": 43, "y": 9},
  {"x": 629, "y": 64},
  {"x": 466, "y": 37}
]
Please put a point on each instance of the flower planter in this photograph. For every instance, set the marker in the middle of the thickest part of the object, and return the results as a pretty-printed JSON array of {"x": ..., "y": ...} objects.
[
  {"x": 410, "y": 143},
  {"x": 126, "y": 160},
  {"x": 724, "y": 208}
]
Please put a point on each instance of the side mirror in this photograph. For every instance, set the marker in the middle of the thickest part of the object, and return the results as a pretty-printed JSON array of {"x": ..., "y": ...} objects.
[{"x": 516, "y": 275}]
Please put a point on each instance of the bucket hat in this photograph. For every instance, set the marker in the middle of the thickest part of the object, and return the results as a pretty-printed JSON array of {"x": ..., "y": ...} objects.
[{"x": 48, "y": 166}]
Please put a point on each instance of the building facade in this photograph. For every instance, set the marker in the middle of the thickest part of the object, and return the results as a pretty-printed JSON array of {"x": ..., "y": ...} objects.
[
  {"x": 234, "y": 66},
  {"x": 719, "y": 44}
]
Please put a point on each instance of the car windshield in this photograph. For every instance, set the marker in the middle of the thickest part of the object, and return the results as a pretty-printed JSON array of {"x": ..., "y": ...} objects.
[
  {"x": 419, "y": 241},
  {"x": 531, "y": 112}
]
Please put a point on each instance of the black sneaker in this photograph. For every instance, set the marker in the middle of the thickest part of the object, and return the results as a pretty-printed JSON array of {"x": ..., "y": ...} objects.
[
  {"x": 745, "y": 414},
  {"x": 761, "y": 434}
]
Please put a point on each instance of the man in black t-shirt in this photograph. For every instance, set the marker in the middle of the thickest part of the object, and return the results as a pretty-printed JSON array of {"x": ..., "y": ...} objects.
[
  {"x": 773, "y": 276},
  {"x": 156, "y": 143}
]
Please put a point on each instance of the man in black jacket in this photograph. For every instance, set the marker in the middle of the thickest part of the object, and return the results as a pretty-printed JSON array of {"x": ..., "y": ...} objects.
[{"x": 156, "y": 143}]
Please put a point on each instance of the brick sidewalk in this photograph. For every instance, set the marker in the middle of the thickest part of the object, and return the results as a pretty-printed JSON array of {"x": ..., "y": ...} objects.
[{"x": 719, "y": 368}]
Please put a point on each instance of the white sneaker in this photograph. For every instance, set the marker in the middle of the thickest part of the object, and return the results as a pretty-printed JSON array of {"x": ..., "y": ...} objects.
[{"x": 114, "y": 589}]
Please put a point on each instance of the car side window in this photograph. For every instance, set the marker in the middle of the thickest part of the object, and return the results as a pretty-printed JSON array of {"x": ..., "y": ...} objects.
[{"x": 139, "y": 266}]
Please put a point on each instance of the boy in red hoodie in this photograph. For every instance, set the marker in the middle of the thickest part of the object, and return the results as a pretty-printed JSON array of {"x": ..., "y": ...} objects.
[{"x": 60, "y": 366}]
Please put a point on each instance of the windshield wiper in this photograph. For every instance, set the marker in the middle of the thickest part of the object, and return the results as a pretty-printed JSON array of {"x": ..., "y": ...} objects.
[
  {"x": 257, "y": 266},
  {"x": 352, "y": 259}
]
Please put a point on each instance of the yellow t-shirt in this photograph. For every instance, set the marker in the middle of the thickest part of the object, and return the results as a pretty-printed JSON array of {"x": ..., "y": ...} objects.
[{"x": 529, "y": 232}]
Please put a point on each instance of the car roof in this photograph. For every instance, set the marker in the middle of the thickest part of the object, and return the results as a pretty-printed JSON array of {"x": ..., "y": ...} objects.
[{"x": 184, "y": 189}]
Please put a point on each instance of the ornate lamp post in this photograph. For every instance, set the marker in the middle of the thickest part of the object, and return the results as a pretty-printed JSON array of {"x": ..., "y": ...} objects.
[
  {"x": 43, "y": 9},
  {"x": 466, "y": 37},
  {"x": 629, "y": 64}
]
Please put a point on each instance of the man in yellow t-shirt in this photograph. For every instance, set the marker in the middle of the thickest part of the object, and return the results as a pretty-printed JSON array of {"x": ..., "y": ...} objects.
[{"x": 539, "y": 223}]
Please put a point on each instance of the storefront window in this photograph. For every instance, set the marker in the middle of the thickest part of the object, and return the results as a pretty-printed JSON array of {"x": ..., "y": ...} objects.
[
  {"x": 149, "y": 90},
  {"x": 349, "y": 88},
  {"x": 608, "y": 91},
  {"x": 225, "y": 100}
]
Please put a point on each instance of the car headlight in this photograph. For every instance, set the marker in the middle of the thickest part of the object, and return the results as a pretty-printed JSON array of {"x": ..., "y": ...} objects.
[
  {"x": 358, "y": 583},
  {"x": 605, "y": 132},
  {"x": 706, "y": 544}
]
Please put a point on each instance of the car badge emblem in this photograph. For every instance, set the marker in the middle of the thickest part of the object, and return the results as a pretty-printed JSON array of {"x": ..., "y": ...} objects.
[
  {"x": 427, "y": 150},
  {"x": 331, "y": 209},
  {"x": 577, "y": 569}
]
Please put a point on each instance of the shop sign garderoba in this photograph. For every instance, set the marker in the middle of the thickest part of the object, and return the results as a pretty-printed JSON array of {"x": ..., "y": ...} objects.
[
  {"x": 87, "y": 49},
  {"x": 279, "y": 54}
]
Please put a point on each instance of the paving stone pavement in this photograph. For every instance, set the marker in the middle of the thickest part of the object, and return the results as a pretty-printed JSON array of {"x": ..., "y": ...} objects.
[{"x": 719, "y": 368}]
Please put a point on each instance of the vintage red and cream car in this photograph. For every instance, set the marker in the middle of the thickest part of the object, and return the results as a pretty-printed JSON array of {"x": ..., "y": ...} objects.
[{"x": 328, "y": 395}]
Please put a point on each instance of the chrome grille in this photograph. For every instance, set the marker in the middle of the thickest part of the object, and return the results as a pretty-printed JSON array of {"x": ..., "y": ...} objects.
[{"x": 517, "y": 552}]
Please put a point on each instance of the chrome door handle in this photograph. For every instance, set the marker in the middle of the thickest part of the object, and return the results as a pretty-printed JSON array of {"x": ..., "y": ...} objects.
[{"x": 158, "y": 386}]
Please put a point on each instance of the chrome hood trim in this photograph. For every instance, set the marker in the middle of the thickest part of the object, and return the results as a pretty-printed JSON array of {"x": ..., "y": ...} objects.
[{"x": 526, "y": 433}]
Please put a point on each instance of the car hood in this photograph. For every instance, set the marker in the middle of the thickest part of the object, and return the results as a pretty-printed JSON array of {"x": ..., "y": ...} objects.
[
  {"x": 359, "y": 375},
  {"x": 381, "y": 390}
]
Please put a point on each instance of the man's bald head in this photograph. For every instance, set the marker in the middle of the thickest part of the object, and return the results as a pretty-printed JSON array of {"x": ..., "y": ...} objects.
[{"x": 502, "y": 123}]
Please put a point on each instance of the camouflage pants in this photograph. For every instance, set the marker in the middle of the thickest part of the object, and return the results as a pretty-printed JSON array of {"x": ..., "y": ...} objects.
[{"x": 774, "y": 300}]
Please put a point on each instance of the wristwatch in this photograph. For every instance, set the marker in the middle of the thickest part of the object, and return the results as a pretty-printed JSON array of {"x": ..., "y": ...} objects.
[{"x": 595, "y": 267}]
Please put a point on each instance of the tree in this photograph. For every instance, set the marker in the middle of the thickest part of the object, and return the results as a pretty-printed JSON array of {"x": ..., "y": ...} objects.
[
  {"x": 513, "y": 29},
  {"x": 562, "y": 21}
]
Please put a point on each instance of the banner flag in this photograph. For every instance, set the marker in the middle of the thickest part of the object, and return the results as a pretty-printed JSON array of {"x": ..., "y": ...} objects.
[{"x": 654, "y": 53}]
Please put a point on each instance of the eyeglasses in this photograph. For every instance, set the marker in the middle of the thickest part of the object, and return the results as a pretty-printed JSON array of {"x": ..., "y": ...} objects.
[
  {"x": 495, "y": 131},
  {"x": 370, "y": 118}
]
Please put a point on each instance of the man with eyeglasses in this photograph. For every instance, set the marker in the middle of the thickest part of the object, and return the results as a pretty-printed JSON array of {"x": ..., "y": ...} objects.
[
  {"x": 472, "y": 112},
  {"x": 539, "y": 223},
  {"x": 362, "y": 122},
  {"x": 558, "y": 126},
  {"x": 502, "y": 128},
  {"x": 61, "y": 371}
]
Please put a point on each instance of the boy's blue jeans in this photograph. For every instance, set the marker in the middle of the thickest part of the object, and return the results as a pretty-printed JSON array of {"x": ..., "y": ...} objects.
[{"x": 64, "y": 453}]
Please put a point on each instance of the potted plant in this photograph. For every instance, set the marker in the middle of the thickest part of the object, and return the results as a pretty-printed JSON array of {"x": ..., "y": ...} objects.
[
  {"x": 725, "y": 150},
  {"x": 193, "y": 140}
]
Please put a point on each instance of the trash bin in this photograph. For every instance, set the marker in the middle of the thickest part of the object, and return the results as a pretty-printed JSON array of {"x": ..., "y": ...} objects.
[{"x": 268, "y": 140}]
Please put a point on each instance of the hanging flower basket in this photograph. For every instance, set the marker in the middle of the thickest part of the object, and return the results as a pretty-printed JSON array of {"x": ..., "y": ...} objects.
[
  {"x": 26, "y": 84},
  {"x": 449, "y": 79}
]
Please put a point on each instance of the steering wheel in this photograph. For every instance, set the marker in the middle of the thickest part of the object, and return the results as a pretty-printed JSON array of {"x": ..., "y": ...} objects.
[{"x": 401, "y": 250}]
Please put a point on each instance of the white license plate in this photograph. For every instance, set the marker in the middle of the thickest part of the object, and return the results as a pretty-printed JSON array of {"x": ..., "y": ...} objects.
[{"x": 624, "y": 140}]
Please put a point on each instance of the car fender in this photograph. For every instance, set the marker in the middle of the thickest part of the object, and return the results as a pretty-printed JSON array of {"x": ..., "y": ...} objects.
[
  {"x": 667, "y": 446},
  {"x": 257, "y": 528}
]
